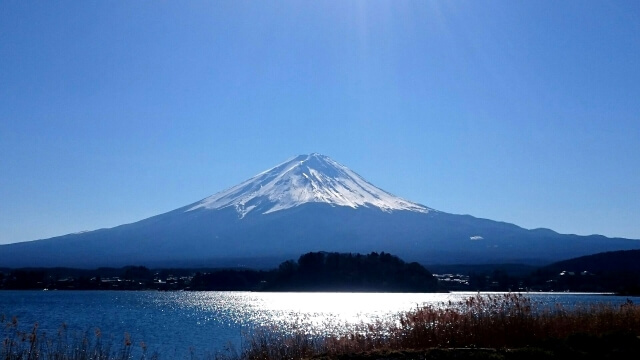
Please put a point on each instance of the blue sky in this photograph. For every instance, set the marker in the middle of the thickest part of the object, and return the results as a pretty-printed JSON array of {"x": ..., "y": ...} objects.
[{"x": 520, "y": 111}]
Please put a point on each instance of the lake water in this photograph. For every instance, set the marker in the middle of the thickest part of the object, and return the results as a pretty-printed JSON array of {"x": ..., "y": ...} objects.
[{"x": 172, "y": 323}]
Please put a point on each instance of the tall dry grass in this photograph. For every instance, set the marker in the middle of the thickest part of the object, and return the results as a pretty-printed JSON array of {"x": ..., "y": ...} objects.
[
  {"x": 508, "y": 320},
  {"x": 482, "y": 321},
  {"x": 33, "y": 344}
]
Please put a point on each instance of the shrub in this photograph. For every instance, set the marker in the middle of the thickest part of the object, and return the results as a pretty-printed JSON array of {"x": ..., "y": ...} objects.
[{"x": 482, "y": 321}]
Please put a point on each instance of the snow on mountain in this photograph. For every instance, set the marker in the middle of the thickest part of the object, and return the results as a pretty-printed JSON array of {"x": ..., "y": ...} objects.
[
  {"x": 194, "y": 236},
  {"x": 304, "y": 179}
]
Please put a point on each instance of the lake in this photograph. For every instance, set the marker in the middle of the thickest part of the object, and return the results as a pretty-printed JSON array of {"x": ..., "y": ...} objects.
[{"x": 172, "y": 323}]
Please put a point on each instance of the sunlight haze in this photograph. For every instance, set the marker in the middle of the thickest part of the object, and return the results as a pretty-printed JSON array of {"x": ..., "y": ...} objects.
[{"x": 525, "y": 112}]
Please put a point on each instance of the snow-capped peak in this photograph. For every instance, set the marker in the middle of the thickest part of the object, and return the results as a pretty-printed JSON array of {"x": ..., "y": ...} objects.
[{"x": 304, "y": 179}]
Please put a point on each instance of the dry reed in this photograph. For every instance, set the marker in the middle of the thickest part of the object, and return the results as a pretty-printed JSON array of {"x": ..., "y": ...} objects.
[
  {"x": 482, "y": 321},
  {"x": 18, "y": 344}
]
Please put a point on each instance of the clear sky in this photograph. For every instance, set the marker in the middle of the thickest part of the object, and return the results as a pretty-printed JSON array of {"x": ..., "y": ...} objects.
[{"x": 519, "y": 111}]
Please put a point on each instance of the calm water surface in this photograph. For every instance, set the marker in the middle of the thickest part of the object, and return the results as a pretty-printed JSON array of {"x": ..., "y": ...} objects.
[{"x": 172, "y": 323}]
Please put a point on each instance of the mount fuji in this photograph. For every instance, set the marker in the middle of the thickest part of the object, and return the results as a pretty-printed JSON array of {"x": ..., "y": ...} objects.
[
  {"x": 305, "y": 179},
  {"x": 307, "y": 203}
]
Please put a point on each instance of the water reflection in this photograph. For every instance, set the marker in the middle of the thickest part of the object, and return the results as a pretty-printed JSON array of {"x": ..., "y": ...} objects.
[
  {"x": 327, "y": 313},
  {"x": 317, "y": 314},
  {"x": 174, "y": 322}
]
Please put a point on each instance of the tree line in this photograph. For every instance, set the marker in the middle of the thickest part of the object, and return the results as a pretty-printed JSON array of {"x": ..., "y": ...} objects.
[
  {"x": 617, "y": 272},
  {"x": 314, "y": 271},
  {"x": 326, "y": 271}
]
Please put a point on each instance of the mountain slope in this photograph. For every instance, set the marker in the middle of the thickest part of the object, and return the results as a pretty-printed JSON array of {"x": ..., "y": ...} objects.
[
  {"x": 611, "y": 261},
  {"x": 308, "y": 203},
  {"x": 305, "y": 179}
]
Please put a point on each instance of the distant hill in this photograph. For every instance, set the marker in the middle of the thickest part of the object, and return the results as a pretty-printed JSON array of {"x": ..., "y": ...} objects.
[
  {"x": 511, "y": 269},
  {"x": 315, "y": 271},
  {"x": 326, "y": 272},
  {"x": 614, "y": 271},
  {"x": 323, "y": 271},
  {"x": 611, "y": 261}
]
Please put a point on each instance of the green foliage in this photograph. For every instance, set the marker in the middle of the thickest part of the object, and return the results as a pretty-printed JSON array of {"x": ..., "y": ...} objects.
[
  {"x": 229, "y": 280},
  {"x": 25, "y": 279},
  {"x": 319, "y": 271},
  {"x": 138, "y": 273},
  {"x": 323, "y": 271}
]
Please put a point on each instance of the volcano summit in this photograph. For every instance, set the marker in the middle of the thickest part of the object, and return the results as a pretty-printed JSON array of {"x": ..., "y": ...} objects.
[
  {"x": 305, "y": 179},
  {"x": 308, "y": 203}
]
